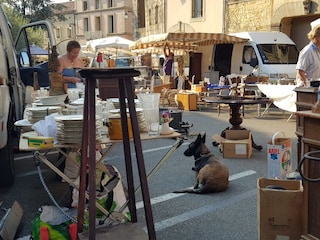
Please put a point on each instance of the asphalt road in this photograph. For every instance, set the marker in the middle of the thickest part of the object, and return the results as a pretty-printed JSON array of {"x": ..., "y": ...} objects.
[{"x": 223, "y": 216}]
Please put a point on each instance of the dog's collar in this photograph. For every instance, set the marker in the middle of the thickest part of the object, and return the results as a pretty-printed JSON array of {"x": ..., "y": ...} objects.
[{"x": 205, "y": 154}]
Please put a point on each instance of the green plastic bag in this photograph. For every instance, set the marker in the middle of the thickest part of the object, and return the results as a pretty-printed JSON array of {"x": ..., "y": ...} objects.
[{"x": 56, "y": 232}]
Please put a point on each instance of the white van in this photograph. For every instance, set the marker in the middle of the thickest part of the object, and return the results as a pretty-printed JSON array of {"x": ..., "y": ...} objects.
[
  {"x": 17, "y": 70},
  {"x": 268, "y": 54}
]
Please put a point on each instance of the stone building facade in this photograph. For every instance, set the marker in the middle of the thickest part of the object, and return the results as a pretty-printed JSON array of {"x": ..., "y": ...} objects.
[
  {"x": 66, "y": 29},
  {"x": 102, "y": 18},
  {"x": 289, "y": 16},
  {"x": 292, "y": 17},
  {"x": 245, "y": 16}
]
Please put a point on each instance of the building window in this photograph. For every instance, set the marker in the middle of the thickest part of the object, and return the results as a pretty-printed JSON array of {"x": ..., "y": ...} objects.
[
  {"x": 58, "y": 32},
  {"x": 97, "y": 4},
  {"x": 197, "y": 8},
  {"x": 110, "y": 4},
  {"x": 86, "y": 24},
  {"x": 69, "y": 32},
  {"x": 85, "y": 5},
  {"x": 156, "y": 17},
  {"x": 141, "y": 14},
  {"x": 110, "y": 24},
  {"x": 150, "y": 17},
  {"x": 97, "y": 24}
]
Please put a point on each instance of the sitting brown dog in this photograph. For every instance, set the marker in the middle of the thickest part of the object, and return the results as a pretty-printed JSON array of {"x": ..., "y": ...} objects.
[{"x": 212, "y": 174}]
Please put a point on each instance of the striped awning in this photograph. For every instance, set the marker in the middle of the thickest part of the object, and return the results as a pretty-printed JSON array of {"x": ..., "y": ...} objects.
[{"x": 185, "y": 41}]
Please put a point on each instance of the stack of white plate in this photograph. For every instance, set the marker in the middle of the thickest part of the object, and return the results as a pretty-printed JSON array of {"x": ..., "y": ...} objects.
[
  {"x": 143, "y": 127},
  {"x": 57, "y": 100},
  {"x": 116, "y": 103},
  {"x": 36, "y": 114},
  {"x": 69, "y": 129},
  {"x": 72, "y": 110}
]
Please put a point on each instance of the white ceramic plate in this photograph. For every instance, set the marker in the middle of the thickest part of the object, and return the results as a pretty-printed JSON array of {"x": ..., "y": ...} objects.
[
  {"x": 69, "y": 118},
  {"x": 23, "y": 123},
  {"x": 52, "y": 99},
  {"x": 38, "y": 109}
]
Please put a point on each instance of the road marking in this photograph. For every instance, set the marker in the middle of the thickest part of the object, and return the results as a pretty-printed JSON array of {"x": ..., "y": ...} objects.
[
  {"x": 31, "y": 173},
  {"x": 27, "y": 156},
  {"x": 162, "y": 148},
  {"x": 203, "y": 210},
  {"x": 169, "y": 196}
]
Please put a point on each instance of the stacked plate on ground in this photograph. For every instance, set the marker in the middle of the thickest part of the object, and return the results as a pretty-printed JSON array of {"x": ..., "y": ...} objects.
[
  {"x": 69, "y": 129},
  {"x": 36, "y": 114}
]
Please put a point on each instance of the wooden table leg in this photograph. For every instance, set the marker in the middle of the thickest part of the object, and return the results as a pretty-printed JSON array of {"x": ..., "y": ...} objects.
[{"x": 235, "y": 120}]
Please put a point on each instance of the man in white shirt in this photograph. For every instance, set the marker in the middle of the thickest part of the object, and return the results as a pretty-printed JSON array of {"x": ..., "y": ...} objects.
[{"x": 308, "y": 65}]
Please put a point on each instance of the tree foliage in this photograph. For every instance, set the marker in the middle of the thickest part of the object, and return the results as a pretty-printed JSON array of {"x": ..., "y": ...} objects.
[
  {"x": 36, "y": 10},
  {"x": 16, "y": 20}
]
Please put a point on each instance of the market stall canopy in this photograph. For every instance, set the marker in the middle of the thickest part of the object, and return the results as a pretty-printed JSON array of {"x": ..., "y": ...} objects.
[{"x": 184, "y": 41}]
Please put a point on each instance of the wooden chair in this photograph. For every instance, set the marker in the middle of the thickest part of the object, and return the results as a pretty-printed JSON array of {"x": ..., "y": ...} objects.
[
  {"x": 164, "y": 97},
  {"x": 172, "y": 97},
  {"x": 200, "y": 102}
]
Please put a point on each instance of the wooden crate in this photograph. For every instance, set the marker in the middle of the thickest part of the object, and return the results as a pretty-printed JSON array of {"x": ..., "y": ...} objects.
[{"x": 187, "y": 101}]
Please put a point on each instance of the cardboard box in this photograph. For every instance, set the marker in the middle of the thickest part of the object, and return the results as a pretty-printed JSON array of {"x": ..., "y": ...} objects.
[
  {"x": 236, "y": 144},
  {"x": 279, "y": 210},
  {"x": 40, "y": 142},
  {"x": 11, "y": 222}
]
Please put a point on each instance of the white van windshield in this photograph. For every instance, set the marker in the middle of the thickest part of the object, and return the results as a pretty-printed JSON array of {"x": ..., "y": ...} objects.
[{"x": 278, "y": 53}]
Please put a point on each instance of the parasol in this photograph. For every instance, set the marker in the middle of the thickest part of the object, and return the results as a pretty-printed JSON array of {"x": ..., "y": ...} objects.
[
  {"x": 36, "y": 50},
  {"x": 115, "y": 42}
]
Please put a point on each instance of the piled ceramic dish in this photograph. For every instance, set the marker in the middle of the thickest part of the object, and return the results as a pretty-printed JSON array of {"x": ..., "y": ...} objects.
[
  {"x": 143, "y": 127},
  {"x": 24, "y": 124},
  {"x": 35, "y": 114},
  {"x": 69, "y": 129},
  {"x": 51, "y": 100},
  {"x": 116, "y": 103}
]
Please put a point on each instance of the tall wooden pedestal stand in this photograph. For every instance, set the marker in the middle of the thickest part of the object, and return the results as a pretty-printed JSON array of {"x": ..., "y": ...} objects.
[{"x": 124, "y": 77}]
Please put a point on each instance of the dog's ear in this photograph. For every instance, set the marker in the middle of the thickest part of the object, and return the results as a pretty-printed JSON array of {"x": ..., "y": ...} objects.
[
  {"x": 199, "y": 137},
  {"x": 203, "y": 139}
]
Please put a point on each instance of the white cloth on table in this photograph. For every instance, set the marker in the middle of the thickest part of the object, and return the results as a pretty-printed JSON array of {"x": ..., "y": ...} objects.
[{"x": 283, "y": 96}]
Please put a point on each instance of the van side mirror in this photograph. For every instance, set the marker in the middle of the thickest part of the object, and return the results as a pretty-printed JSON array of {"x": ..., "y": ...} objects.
[
  {"x": 24, "y": 59},
  {"x": 253, "y": 62}
]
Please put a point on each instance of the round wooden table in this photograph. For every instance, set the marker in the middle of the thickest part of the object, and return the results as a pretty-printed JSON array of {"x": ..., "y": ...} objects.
[{"x": 235, "y": 104}]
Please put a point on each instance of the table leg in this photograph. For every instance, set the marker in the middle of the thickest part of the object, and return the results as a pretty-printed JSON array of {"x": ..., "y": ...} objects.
[
  {"x": 83, "y": 165},
  {"x": 236, "y": 120},
  {"x": 140, "y": 159}
]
